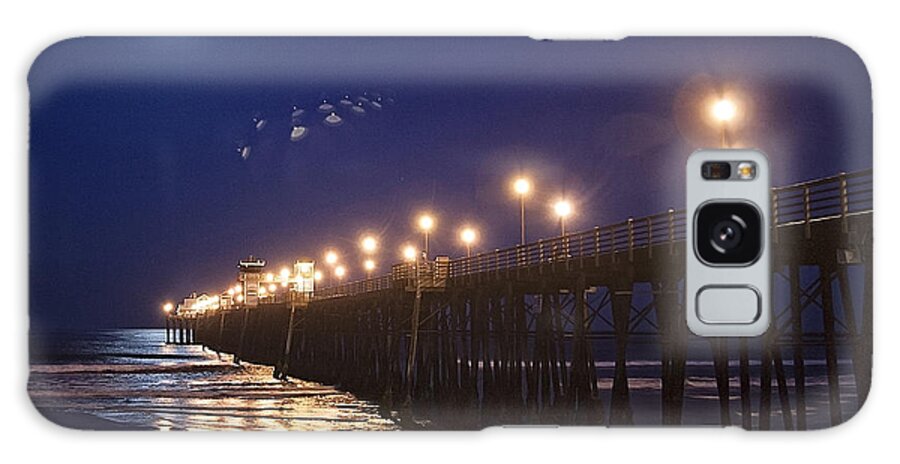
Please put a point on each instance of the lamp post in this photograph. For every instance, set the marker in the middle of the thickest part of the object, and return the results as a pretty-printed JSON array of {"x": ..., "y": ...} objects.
[
  {"x": 262, "y": 293},
  {"x": 331, "y": 259},
  {"x": 409, "y": 253},
  {"x": 522, "y": 186},
  {"x": 563, "y": 209},
  {"x": 426, "y": 223},
  {"x": 368, "y": 244},
  {"x": 468, "y": 236},
  {"x": 285, "y": 275},
  {"x": 724, "y": 111},
  {"x": 369, "y": 266},
  {"x": 167, "y": 309}
]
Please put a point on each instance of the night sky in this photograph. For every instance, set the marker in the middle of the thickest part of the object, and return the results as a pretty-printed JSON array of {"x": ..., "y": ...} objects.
[{"x": 139, "y": 195}]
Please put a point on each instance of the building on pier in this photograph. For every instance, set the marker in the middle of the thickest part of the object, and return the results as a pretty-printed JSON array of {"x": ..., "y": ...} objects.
[{"x": 249, "y": 276}]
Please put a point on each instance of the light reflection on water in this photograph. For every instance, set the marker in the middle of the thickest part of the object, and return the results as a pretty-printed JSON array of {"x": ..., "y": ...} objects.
[{"x": 132, "y": 378}]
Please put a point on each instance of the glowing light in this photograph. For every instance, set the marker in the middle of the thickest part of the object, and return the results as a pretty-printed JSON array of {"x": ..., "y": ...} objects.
[
  {"x": 298, "y": 133},
  {"x": 262, "y": 291},
  {"x": 273, "y": 287},
  {"x": 238, "y": 288},
  {"x": 340, "y": 272},
  {"x": 317, "y": 275},
  {"x": 168, "y": 307},
  {"x": 409, "y": 253},
  {"x": 270, "y": 277},
  {"x": 724, "y": 110},
  {"x": 260, "y": 123},
  {"x": 239, "y": 298},
  {"x": 326, "y": 107},
  {"x": 468, "y": 235},
  {"x": 369, "y": 244},
  {"x": 562, "y": 208},
  {"x": 369, "y": 265},
  {"x": 285, "y": 274},
  {"x": 231, "y": 291},
  {"x": 522, "y": 186},
  {"x": 426, "y": 222},
  {"x": 297, "y": 115},
  {"x": 331, "y": 258},
  {"x": 333, "y": 120}
]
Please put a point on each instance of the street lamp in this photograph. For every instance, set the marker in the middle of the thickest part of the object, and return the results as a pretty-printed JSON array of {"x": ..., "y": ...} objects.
[
  {"x": 409, "y": 253},
  {"x": 331, "y": 257},
  {"x": 317, "y": 276},
  {"x": 426, "y": 223},
  {"x": 340, "y": 272},
  {"x": 285, "y": 275},
  {"x": 724, "y": 110},
  {"x": 468, "y": 236},
  {"x": 369, "y": 266},
  {"x": 168, "y": 307},
  {"x": 522, "y": 186},
  {"x": 563, "y": 209},
  {"x": 368, "y": 244}
]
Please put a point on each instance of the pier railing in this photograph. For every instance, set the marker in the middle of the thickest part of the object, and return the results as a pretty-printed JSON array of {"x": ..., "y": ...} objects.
[
  {"x": 834, "y": 197},
  {"x": 374, "y": 284}
]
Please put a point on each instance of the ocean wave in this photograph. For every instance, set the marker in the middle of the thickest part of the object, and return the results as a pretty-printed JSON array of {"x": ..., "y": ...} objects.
[{"x": 162, "y": 368}]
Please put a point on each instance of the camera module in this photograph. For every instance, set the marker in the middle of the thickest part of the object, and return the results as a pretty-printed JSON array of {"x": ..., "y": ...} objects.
[{"x": 728, "y": 233}]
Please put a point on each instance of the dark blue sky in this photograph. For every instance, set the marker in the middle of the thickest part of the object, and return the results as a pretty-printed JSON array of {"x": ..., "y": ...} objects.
[{"x": 138, "y": 193}]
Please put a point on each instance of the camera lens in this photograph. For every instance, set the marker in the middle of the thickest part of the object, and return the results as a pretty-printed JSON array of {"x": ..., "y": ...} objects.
[{"x": 728, "y": 233}]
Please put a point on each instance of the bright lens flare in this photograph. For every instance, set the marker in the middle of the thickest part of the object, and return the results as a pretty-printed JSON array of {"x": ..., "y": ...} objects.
[
  {"x": 409, "y": 253},
  {"x": 369, "y": 265},
  {"x": 272, "y": 288},
  {"x": 317, "y": 275},
  {"x": 168, "y": 307},
  {"x": 467, "y": 236},
  {"x": 340, "y": 272},
  {"x": 562, "y": 208},
  {"x": 426, "y": 222},
  {"x": 331, "y": 257},
  {"x": 724, "y": 110},
  {"x": 522, "y": 186},
  {"x": 369, "y": 244},
  {"x": 285, "y": 273}
]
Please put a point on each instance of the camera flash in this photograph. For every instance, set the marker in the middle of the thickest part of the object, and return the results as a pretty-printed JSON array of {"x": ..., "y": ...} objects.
[{"x": 746, "y": 170}]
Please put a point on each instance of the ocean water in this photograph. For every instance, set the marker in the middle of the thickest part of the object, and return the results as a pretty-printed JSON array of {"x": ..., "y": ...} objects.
[{"x": 130, "y": 379}]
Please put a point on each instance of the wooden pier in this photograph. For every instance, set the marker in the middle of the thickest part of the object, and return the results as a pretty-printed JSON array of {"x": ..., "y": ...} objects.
[{"x": 516, "y": 335}]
